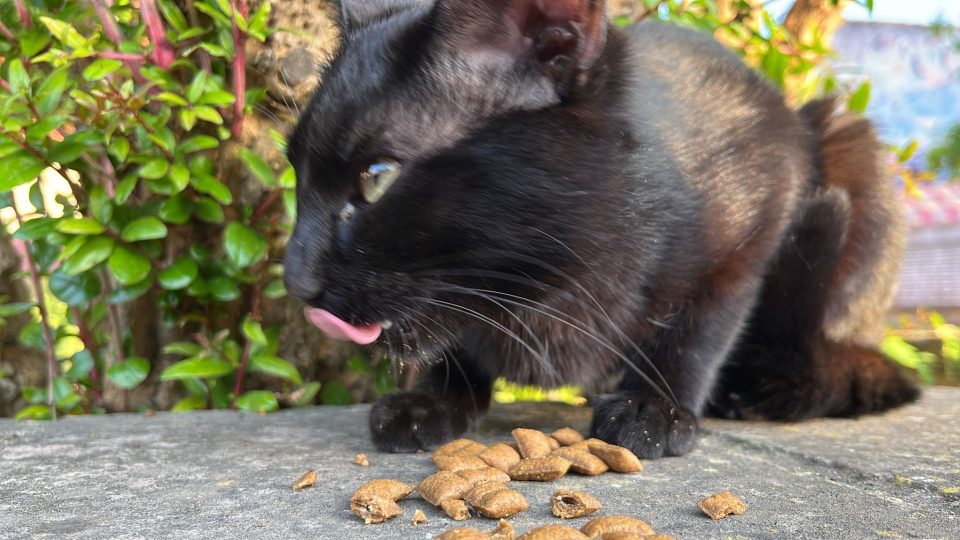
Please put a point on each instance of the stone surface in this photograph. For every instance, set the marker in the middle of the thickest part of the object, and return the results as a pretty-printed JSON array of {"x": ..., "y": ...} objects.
[{"x": 229, "y": 475}]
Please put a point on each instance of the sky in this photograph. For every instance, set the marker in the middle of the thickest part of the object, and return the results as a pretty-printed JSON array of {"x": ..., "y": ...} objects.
[{"x": 893, "y": 11}]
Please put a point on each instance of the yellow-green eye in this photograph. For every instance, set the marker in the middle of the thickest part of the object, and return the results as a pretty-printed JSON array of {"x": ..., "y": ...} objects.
[{"x": 377, "y": 179}]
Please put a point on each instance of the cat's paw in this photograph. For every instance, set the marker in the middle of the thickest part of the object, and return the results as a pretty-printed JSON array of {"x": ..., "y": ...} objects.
[
  {"x": 410, "y": 421},
  {"x": 649, "y": 426}
]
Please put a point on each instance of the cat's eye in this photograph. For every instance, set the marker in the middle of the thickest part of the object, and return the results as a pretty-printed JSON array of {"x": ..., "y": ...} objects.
[{"x": 377, "y": 179}]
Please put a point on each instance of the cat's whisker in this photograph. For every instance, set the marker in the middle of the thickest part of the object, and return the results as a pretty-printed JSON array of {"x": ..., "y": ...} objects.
[
  {"x": 463, "y": 372},
  {"x": 542, "y": 310},
  {"x": 292, "y": 97}
]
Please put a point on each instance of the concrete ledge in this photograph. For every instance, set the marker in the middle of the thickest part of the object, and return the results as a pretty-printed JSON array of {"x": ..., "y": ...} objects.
[{"x": 228, "y": 475}]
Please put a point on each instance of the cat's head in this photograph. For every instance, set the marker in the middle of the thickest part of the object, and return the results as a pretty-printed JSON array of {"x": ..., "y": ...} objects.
[{"x": 449, "y": 145}]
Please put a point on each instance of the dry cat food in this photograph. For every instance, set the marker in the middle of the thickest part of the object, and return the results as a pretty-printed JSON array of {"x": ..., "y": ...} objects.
[
  {"x": 496, "y": 500},
  {"x": 617, "y": 524},
  {"x": 500, "y": 456},
  {"x": 486, "y": 474},
  {"x": 722, "y": 505},
  {"x": 441, "y": 486},
  {"x": 457, "y": 462},
  {"x": 309, "y": 479},
  {"x": 553, "y": 532},
  {"x": 418, "y": 518},
  {"x": 532, "y": 443},
  {"x": 504, "y": 531},
  {"x": 616, "y": 457},
  {"x": 541, "y": 469},
  {"x": 362, "y": 460},
  {"x": 582, "y": 461},
  {"x": 567, "y": 436},
  {"x": 459, "y": 447},
  {"x": 567, "y": 504},
  {"x": 457, "y": 509},
  {"x": 376, "y": 501}
]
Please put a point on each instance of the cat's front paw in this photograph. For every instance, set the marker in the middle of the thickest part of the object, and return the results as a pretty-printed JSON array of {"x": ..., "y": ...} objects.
[
  {"x": 410, "y": 421},
  {"x": 649, "y": 426}
]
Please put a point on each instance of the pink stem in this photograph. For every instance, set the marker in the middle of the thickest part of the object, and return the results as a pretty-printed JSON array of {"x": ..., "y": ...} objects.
[
  {"x": 127, "y": 57},
  {"x": 239, "y": 70},
  {"x": 23, "y": 13},
  {"x": 101, "y": 7},
  {"x": 5, "y": 32},
  {"x": 163, "y": 53}
]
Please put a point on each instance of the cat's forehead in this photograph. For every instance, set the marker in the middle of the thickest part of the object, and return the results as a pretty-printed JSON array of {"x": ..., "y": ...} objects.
[{"x": 397, "y": 89}]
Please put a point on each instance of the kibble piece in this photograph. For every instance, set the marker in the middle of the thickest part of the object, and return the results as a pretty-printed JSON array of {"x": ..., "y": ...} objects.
[
  {"x": 722, "y": 505},
  {"x": 454, "y": 463},
  {"x": 459, "y": 447},
  {"x": 554, "y": 444},
  {"x": 487, "y": 474},
  {"x": 463, "y": 533},
  {"x": 376, "y": 509},
  {"x": 456, "y": 509},
  {"x": 532, "y": 443},
  {"x": 618, "y": 458},
  {"x": 362, "y": 460},
  {"x": 495, "y": 500},
  {"x": 567, "y": 504},
  {"x": 375, "y": 501},
  {"x": 617, "y": 524},
  {"x": 659, "y": 537},
  {"x": 624, "y": 536},
  {"x": 309, "y": 479},
  {"x": 567, "y": 436},
  {"x": 553, "y": 532},
  {"x": 540, "y": 469},
  {"x": 504, "y": 531},
  {"x": 501, "y": 456},
  {"x": 418, "y": 518},
  {"x": 441, "y": 486},
  {"x": 582, "y": 461}
]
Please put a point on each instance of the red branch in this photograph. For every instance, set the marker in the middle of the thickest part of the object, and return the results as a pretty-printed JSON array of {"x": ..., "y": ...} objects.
[
  {"x": 163, "y": 53},
  {"x": 112, "y": 32},
  {"x": 23, "y": 13},
  {"x": 6, "y": 32},
  {"x": 239, "y": 69}
]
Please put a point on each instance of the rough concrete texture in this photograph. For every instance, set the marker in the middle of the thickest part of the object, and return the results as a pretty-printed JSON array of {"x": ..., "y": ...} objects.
[{"x": 229, "y": 475}]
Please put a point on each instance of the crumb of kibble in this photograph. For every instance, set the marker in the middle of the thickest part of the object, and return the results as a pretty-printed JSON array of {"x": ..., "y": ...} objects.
[
  {"x": 722, "y": 505},
  {"x": 309, "y": 479},
  {"x": 362, "y": 460},
  {"x": 567, "y": 504},
  {"x": 457, "y": 509},
  {"x": 418, "y": 518}
]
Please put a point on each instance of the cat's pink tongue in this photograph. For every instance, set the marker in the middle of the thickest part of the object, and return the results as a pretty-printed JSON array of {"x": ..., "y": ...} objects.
[{"x": 337, "y": 328}]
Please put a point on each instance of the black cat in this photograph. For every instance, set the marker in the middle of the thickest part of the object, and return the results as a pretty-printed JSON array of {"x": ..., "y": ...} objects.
[{"x": 516, "y": 188}]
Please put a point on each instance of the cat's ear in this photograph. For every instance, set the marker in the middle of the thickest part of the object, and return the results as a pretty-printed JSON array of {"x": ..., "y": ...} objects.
[
  {"x": 562, "y": 38},
  {"x": 354, "y": 15}
]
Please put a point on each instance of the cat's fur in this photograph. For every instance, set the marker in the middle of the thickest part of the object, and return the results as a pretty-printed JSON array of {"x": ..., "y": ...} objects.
[{"x": 580, "y": 202}]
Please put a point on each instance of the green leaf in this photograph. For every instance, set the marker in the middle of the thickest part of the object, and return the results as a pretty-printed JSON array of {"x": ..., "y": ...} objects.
[
  {"x": 172, "y": 99},
  {"x": 183, "y": 348},
  {"x": 288, "y": 180},
  {"x": 359, "y": 364},
  {"x": 51, "y": 90},
  {"x": 179, "y": 275},
  {"x": 176, "y": 210},
  {"x": 125, "y": 188},
  {"x": 34, "y": 395},
  {"x": 19, "y": 168},
  {"x": 145, "y": 228},
  {"x": 305, "y": 395},
  {"x": 198, "y": 143},
  {"x": 35, "y": 229},
  {"x": 335, "y": 393},
  {"x": 258, "y": 401},
  {"x": 128, "y": 266},
  {"x": 100, "y": 204},
  {"x": 259, "y": 166},
  {"x": 33, "y": 41},
  {"x": 209, "y": 114},
  {"x": 92, "y": 253},
  {"x": 190, "y": 403},
  {"x": 860, "y": 99},
  {"x": 64, "y": 394},
  {"x": 64, "y": 32},
  {"x": 66, "y": 346},
  {"x": 197, "y": 367},
  {"x": 15, "y": 308},
  {"x": 34, "y": 412},
  {"x": 278, "y": 367},
  {"x": 275, "y": 289},
  {"x": 195, "y": 90},
  {"x": 253, "y": 331},
  {"x": 173, "y": 15},
  {"x": 80, "y": 366},
  {"x": 188, "y": 118},
  {"x": 100, "y": 68},
  {"x": 119, "y": 148},
  {"x": 80, "y": 226},
  {"x": 217, "y": 98},
  {"x": 179, "y": 176},
  {"x": 122, "y": 295},
  {"x": 18, "y": 77},
  {"x": 129, "y": 374},
  {"x": 154, "y": 168},
  {"x": 209, "y": 185},
  {"x": 74, "y": 290},
  {"x": 208, "y": 210},
  {"x": 41, "y": 129},
  {"x": 244, "y": 246}
]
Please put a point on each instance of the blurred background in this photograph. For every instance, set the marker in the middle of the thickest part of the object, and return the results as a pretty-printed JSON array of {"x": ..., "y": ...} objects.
[{"x": 145, "y": 199}]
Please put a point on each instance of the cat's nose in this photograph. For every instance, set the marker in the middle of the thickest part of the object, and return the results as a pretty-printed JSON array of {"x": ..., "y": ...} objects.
[{"x": 302, "y": 276}]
